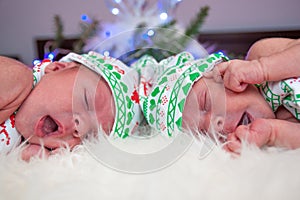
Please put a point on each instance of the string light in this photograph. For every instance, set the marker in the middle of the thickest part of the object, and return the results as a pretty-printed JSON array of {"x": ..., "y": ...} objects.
[
  {"x": 36, "y": 62},
  {"x": 150, "y": 32},
  {"x": 106, "y": 53},
  {"x": 49, "y": 56},
  {"x": 163, "y": 16},
  {"x": 107, "y": 33},
  {"x": 130, "y": 12},
  {"x": 145, "y": 36},
  {"x": 115, "y": 11},
  {"x": 84, "y": 17}
]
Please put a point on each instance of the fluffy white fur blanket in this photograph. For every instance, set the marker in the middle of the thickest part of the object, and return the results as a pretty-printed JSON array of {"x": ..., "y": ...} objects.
[{"x": 256, "y": 174}]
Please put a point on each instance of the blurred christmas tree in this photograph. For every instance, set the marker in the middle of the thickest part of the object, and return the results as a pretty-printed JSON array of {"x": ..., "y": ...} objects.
[
  {"x": 146, "y": 27},
  {"x": 141, "y": 27},
  {"x": 55, "y": 49}
]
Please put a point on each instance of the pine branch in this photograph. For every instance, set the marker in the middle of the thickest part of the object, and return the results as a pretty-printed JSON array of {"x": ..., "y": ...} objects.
[
  {"x": 88, "y": 30},
  {"x": 197, "y": 22},
  {"x": 194, "y": 28},
  {"x": 168, "y": 24},
  {"x": 59, "y": 37},
  {"x": 165, "y": 42}
]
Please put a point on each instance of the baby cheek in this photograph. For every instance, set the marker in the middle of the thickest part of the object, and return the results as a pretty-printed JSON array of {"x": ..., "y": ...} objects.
[
  {"x": 105, "y": 110},
  {"x": 229, "y": 124},
  {"x": 195, "y": 119}
]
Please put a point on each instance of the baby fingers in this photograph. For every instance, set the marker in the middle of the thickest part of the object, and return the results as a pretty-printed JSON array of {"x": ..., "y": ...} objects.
[
  {"x": 255, "y": 133},
  {"x": 214, "y": 74},
  {"x": 233, "y": 144},
  {"x": 231, "y": 76},
  {"x": 234, "y": 83}
]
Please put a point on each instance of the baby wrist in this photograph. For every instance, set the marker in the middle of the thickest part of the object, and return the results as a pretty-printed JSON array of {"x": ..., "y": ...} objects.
[{"x": 263, "y": 70}]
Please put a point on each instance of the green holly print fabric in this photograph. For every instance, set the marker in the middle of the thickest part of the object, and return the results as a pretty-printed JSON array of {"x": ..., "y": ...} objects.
[
  {"x": 123, "y": 82},
  {"x": 285, "y": 93},
  {"x": 156, "y": 91},
  {"x": 164, "y": 87}
]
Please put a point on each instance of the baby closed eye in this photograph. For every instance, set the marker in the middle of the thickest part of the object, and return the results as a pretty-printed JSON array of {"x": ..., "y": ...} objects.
[
  {"x": 87, "y": 101},
  {"x": 205, "y": 103}
]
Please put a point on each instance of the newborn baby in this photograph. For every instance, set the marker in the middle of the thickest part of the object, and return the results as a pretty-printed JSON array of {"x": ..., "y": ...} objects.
[
  {"x": 256, "y": 100},
  {"x": 72, "y": 98}
]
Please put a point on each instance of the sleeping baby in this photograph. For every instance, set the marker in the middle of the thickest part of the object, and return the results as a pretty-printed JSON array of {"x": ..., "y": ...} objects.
[
  {"x": 70, "y": 99},
  {"x": 257, "y": 100}
]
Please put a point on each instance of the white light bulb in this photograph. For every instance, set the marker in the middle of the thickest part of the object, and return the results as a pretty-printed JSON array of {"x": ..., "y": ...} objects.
[
  {"x": 51, "y": 56},
  {"x": 115, "y": 11},
  {"x": 106, "y": 53},
  {"x": 35, "y": 62},
  {"x": 163, "y": 16},
  {"x": 150, "y": 33}
]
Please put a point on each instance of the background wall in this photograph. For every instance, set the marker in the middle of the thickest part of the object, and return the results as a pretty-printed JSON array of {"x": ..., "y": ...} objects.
[{"x": 22, "y": 21}]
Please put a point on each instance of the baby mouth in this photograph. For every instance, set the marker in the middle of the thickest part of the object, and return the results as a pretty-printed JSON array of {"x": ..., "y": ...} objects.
[
  {"x": 245, "y": 119},
  {"x": 47, "y": 126}
]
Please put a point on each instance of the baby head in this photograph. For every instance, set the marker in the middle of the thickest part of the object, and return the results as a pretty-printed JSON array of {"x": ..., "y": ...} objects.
[
  {"x": 187, "y": 99},
  {"x": 210, "y": 107},
  {"x": 77, "y": 96}
]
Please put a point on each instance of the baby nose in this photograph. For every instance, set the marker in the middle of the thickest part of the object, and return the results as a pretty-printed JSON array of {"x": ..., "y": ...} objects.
[
  {"x": 76, "y": 127},
  {"x": 80, "y": 128}
]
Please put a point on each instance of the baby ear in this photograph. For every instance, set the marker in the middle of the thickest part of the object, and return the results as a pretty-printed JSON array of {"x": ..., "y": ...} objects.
[{"x": 56, "y": 66}]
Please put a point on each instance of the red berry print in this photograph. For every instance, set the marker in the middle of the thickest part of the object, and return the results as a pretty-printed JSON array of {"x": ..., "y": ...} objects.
[
  {"x": 164, "y": 100},
  {"x": 135, "y": 97}
]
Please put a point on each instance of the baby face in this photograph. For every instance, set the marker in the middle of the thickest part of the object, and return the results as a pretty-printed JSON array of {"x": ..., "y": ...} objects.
[
  {"x": 66, "y": 105},
  {"x": 209, "y": 106}
]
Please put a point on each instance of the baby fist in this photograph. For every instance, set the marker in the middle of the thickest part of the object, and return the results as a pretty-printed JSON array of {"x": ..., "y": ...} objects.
[
  {"x": 258, "y": 133},
  {"x": 237, "y": 74}
]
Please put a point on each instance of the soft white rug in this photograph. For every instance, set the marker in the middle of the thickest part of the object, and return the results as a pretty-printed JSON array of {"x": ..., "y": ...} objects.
[{"x": 82, "y": 174}]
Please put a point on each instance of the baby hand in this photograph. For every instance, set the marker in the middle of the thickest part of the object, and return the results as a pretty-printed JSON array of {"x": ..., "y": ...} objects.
[
  {"x": 258, "y": 133},
  {"x": 237, "y": 74}
]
